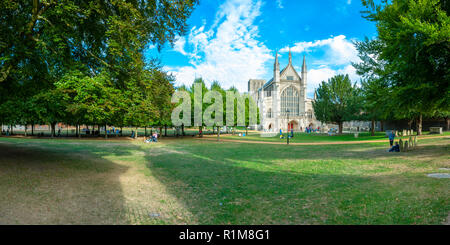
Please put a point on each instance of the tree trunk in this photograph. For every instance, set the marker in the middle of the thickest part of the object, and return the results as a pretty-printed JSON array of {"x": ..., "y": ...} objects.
[
  {"x": 448, "y": 123},
  {"x": 382, "y": 126},
  {"x": 26, "y": 130},
  {"x": 136, "y": 135},
  {"x": 145, "y": 133},
  {"x": 160, "y": 131},
  {"x": 165, "y": 130},
  {"x": 200, "y": 131},
  {"x": 121, "y": 131},
  {"x": 182, "y": 129},
  {"x": 410, "y": 122},
  {"x": 53, "y": 129},
  {"x": 11, "y": 130},
  {"x": 106, "y": 132},
  {"x": 246, "y": 130},
  {"x": 373, "y": 128},
  {"x": 218, "y": 133},
  {"x": 32, "y": 129},
  {"x": 419, "y": 125},
  {"x": 340, "y": 124}
]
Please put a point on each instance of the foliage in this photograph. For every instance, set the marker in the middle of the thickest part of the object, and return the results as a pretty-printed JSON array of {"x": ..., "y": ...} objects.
[
  {"x": 81, "y": 62},
  {"x": 337, "y": 101},
  {"x": 413, "y": 46}
]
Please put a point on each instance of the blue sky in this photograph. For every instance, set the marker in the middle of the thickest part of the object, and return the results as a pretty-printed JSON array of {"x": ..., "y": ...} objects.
[{"x": 232, "y": 41}]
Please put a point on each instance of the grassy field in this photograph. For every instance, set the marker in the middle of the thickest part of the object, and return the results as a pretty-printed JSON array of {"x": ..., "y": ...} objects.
[
  {"x": 191, "y": 181},
  {"x": 317, "y": 137}
]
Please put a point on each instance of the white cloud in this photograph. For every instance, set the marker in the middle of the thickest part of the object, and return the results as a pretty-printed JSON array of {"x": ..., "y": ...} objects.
[
  {"x": 323, "y": 73},
  {"x": 333, "y": 56},
  {"x": 179, "y": 45},
  {"x": 229, "y": 51},
  {"x": 338, "y": 50},
  {"x": 280, "y": 4}
]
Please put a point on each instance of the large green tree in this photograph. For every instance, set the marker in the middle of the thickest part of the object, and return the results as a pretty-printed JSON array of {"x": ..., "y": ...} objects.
[
  {"x": 415, "y": 48},
  {"x": 377, "y": 102},
  {"x": 89, "y": 56},
  {"x": 338, "y": 100}
]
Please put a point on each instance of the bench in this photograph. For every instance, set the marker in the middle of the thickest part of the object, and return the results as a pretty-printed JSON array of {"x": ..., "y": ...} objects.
[{"x": 435, "y": 130}]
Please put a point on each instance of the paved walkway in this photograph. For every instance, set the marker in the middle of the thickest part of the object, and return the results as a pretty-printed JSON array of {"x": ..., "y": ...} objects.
[{"x": 214, "y": 138}]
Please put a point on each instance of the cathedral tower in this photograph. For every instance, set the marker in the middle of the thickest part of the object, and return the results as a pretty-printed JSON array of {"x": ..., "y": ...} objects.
[
  {"x": 276, "y": 69},
  {"x": 304, "y": 77}
]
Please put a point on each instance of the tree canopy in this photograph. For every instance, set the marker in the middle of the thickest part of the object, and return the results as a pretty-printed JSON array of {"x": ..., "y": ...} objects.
[
  {"x": 410, "y": 56},
  {"x": 338, "y": 100},
  {"x": 82, "y": 62}
]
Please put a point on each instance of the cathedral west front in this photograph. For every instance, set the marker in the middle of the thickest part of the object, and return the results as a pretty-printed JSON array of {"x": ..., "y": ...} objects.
[{"x": 282, "y": 100}]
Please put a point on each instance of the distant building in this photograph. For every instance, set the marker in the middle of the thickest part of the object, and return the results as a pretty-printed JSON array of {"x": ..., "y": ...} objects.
[{"x": 282, "y": 100}]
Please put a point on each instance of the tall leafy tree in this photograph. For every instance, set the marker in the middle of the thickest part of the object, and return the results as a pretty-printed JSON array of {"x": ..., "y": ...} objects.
[
  {"x": 378, "y": 99},
  {"x": 88, "y": 55},
  {"x": 338, "y": 100},
  {"x": 415, "y": 37}
]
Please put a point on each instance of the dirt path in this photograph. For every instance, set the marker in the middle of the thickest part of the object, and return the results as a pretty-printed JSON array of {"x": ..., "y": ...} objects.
[{"x": 214, "y": 138}]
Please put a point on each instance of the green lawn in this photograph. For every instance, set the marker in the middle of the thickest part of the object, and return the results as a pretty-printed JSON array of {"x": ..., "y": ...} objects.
[
  {"x": 192, "y": 181},
  {"x": 317, "y": 137}
]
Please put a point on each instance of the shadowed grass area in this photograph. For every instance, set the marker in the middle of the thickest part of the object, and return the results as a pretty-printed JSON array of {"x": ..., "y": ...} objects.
[{"x": 201, "y": 182}]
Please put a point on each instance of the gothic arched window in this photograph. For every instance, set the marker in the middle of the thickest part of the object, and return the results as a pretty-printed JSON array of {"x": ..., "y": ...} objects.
[
  {"x": 269, "y": 113},
  {"x": 289, "y": 101}
]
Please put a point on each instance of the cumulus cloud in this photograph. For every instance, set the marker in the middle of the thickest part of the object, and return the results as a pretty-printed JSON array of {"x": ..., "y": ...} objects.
[
  {"x": 323, "y": 73},
  {"x": 229, "y": 51},
  {"x": 337, "y": 50},
  {"x": 179, "y": 45},
  {"x": 332, "y": 56}
]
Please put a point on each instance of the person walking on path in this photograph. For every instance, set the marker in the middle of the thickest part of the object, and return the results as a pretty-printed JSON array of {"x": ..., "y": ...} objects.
[{"x": 391, "y": 138}]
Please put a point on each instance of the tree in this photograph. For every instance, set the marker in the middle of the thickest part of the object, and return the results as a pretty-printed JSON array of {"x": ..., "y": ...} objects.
[
  {"x": 337, "y": 101},
  {"x": 415, "y": 47},
  {"x": 50, "y": 106},
  {"x": 377, "y": 94},
  {"x": 98, "y": 44}
]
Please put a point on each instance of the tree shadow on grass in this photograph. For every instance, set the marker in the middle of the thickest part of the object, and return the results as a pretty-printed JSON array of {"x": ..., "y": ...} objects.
[
  {"x": 45, "y": 184},
  {"x": 227, "y": 184}
]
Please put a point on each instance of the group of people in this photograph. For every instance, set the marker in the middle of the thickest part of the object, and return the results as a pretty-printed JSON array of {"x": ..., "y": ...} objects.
[
  {"x": 153, "y": 138},
  {"x": 5, "y": 132},
  {"x": 291, "y": 135},
  {"x": 310, "y": 129},
  {"x": 114, "y": 131}
]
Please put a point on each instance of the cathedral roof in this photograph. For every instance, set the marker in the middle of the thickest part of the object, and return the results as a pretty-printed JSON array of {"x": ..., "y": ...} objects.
[{"x": 281, "y": 73}]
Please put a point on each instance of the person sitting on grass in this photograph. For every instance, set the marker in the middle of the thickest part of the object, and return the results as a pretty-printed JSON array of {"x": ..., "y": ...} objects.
[{"x": 395, "y": 148}]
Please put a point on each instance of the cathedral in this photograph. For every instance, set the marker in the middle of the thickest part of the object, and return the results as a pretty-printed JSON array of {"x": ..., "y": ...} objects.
[{"x": 282, "y": 100}]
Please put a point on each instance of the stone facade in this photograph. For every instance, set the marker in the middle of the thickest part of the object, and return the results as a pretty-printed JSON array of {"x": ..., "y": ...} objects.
[{"x": 282, "y": 100}]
